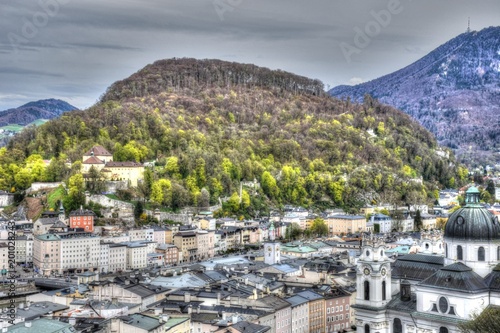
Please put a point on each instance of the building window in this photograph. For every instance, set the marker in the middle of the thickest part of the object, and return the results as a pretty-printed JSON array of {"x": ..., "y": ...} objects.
[
  {"x": 367, "y": 328},
  {"x": 383, "y": 290},
  {"x": 367, "y": 291},
  {"x": 397, "y": 327},
  {"x": 480, "y": 254},
  {"x": 460, "y": 255},
  {"x": 443, "y": 330}
]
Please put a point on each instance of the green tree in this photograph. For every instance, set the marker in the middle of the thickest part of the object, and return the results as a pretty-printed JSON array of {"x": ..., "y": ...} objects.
[
  {"x": 76, "y": 193},
  {"x": 138, "y": 209},
  {"x": 161, "y": 193},
  {"x": 95, "y": 181},
  {"x": 417, "y": 221},
  {"x": 269, "y": 185},
  {"x": 486, "y": 321},
  {"x": 293, "y": 231},
  {"x": 319, "y": 227}
]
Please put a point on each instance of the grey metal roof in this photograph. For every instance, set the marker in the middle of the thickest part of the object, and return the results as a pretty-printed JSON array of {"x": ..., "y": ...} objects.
[
  {"x": 38, "y": 309},
  {"x": 416, "y": 266},
  {"x": 296, "y": 300},
  {"x": 493, "y": 279},
  {"x": 141, "y": 321},
  {"x": 310, "y": 295},
  {"x": 472, "y": 222},
  {"x": 248, "y": 327},
  {"x": 42, "y": 325},
  {"x": 457, "y": 277}
]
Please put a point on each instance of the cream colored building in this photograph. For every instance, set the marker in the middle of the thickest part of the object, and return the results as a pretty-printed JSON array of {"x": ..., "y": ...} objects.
[
  {"x": 47, "y": 253},
  {"x": 117, "y": 257},
  {"x": 345, "y": 224},
  {"x": 102, "y": 160}
]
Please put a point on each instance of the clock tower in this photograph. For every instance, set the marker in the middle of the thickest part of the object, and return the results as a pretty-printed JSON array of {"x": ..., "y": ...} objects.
[
  {"x": 373, "y": 281},
  {"x": 272, "y": 254}
]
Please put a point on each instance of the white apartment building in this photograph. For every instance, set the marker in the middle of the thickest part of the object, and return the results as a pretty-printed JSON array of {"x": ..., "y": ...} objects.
[
  {"x": 141, "y": 234},
  {"x": 79, "y": 252},
  {"x": 159, "y": 235},
  {"x": 24, "y": 249},
  {"x": 300, "y": 314},
  {"x": 117, "y": 257},
  {"x": 137, "y": 255},
  {"x": 104, "y": 257}
]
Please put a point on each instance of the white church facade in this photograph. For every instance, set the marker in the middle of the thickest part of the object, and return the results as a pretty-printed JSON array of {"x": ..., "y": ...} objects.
[{"x": 432, "y": 293}]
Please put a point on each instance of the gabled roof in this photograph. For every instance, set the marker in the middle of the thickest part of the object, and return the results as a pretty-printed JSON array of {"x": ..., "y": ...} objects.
[
  {"x": 457, "y": 277},
  {"x": 92, "y": 160},
  {"x": 98, "y": 151}
]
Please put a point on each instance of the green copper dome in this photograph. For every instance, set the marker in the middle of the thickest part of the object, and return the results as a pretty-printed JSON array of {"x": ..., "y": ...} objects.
[{"x": 472, "y": 222}]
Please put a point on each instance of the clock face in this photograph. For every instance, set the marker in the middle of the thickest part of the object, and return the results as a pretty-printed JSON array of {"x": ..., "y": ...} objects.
[
  {"x": 383, "y": 271},
  {"x": 366, "y": 271}
]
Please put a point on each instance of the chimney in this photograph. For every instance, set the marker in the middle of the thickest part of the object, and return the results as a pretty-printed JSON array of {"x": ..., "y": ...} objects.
[
  {"x": 218, "y": 298},
  {"x": 234, "y": 318},
  {"x": 21, "y": 305},
  {"x": 187, "y": 297},
  {"x": 190, "y": 309},
  {"x": 27, "y": 324},
  {"x": 72, "y": 321},
  {"x": 198, "y": 309},
  {"x": 127, "y": 282}
]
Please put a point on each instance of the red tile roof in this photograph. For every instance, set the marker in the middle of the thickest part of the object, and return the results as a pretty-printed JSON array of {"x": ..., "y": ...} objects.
[
  {"x": 93, "y": 160},
  {"x": 98, "y": 151}
]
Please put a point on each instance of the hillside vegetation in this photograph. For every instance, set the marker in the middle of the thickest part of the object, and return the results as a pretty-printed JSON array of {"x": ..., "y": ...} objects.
[{"x": 211, "y": 124}]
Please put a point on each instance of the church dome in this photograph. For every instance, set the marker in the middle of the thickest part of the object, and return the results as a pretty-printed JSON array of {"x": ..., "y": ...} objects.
[{"x": 472, "y": 222}]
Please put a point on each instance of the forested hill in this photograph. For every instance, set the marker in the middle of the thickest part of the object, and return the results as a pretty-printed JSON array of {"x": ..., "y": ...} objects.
[
  {"x": 210, "y": 124},
  {"x": 191, "y": 75}
]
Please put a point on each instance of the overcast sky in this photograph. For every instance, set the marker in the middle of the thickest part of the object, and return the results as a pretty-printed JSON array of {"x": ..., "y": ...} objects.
[{"x": 75, "y": 49}]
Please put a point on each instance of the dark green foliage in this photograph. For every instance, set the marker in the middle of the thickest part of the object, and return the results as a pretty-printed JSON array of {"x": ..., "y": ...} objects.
[
  {"x": 138, "y": 209},
  {"x": 487, "y": 321},
  {"x": 417, "y": 220}
]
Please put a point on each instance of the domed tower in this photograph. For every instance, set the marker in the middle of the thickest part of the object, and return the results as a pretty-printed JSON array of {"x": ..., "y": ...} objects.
[{"x": 472, "y": 236}]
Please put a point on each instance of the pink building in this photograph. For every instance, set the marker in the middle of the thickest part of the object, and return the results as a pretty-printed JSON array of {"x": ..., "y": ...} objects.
[{"x": 337, "y": 304}]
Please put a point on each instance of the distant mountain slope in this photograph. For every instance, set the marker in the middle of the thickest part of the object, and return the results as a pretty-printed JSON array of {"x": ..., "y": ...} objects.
[
  {"x": 32, "y": 111},
  {"x": 454, "y": 91}
]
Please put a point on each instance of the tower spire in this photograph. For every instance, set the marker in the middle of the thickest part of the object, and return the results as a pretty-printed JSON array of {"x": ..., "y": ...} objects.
[{"x": 468, "y": 25}]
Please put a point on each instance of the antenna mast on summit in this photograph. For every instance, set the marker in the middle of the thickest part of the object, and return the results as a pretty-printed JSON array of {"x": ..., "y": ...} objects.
[{"x": 468, "y": 25}]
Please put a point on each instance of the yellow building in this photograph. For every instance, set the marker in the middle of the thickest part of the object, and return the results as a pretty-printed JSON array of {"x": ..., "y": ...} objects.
[
  {"x": 130, "y": 171},
  {"x": 102, "y": 160},
  {"x": 345, "y": 224}
]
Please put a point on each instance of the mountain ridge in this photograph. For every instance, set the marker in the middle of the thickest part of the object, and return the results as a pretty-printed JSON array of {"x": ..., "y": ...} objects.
[
  {"x": 32, "y": 111},
  {"x": 452, "y": 91}
]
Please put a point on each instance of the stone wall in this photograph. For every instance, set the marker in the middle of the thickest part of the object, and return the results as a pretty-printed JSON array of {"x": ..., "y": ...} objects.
[
  {"x": 39, "y": 186},
  {"x": 6, "y": 199},
  {"x": 179, "y": 218},
  {"x": 114, "y": 208}
]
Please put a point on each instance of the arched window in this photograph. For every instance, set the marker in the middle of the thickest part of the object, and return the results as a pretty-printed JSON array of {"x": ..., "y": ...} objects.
[
  {"x": 480, "y": 254},
  {"x": 443, "y": 330},
  {"x": 397, "y": 327},
  {"x": 383, "y": 290},
  {"x": 367, "y": 290},
  {"x": 367, "y": 328},
  {"x": 460, "y": 255}
]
